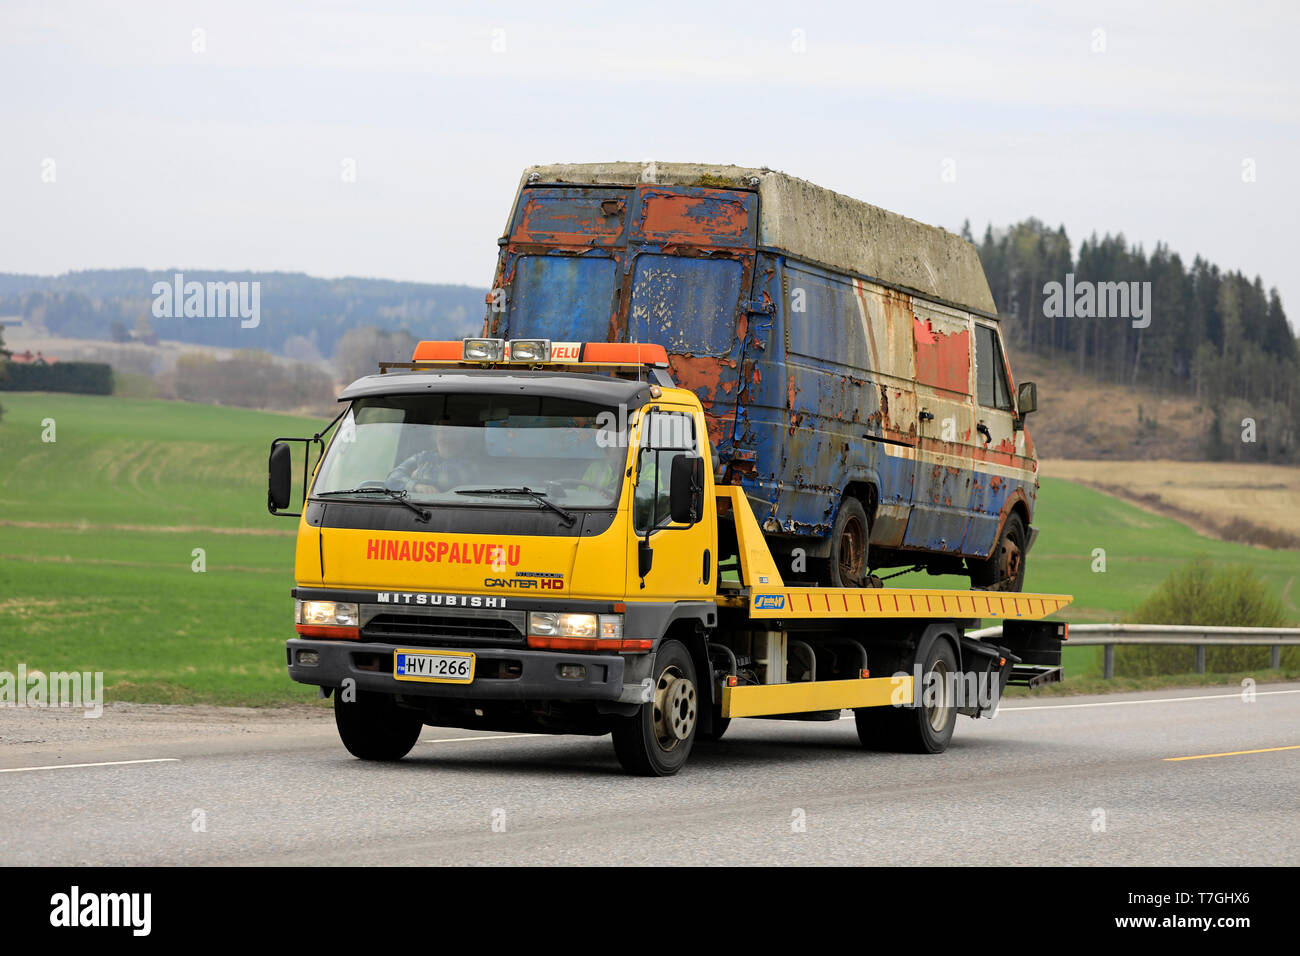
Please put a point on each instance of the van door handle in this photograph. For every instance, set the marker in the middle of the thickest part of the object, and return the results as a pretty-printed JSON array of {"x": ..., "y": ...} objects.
[
  {"x": 984, "y": 430},
  {"x": 925, "y": 416}
]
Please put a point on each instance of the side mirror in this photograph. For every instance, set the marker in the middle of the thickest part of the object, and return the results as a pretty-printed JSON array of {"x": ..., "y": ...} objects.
[
  {"x": 279, "y": 479},
  {"x": 1027, "y": 398},
  {"x": 686, "y": 489}
]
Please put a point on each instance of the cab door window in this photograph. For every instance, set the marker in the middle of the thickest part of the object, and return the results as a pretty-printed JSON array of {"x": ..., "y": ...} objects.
[
  {"x": 991, "y": 387},
  {"x": 664, "y": 436}
]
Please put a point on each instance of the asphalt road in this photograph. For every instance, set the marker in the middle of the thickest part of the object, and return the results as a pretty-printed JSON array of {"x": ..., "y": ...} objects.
[{"x": 1080, "y": 780}]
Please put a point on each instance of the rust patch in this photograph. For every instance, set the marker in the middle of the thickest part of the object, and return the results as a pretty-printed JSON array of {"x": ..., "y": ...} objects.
[
  {"x": 942, "y": 359},
  {"x": 706, "y": 217}
]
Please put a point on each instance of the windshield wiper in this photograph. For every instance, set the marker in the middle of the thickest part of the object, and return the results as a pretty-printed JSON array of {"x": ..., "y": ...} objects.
[
  {"x": 538, "y": 496},
  {"x": 399, "y": 496}
]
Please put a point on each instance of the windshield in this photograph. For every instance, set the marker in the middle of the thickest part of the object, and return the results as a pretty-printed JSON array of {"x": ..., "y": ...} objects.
[{"x": 438, "y": 447}]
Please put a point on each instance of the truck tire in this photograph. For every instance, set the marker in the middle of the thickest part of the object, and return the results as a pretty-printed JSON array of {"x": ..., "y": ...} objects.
[
  {"x": 657, "y": 739},
  {"x": 373, "y": 727},
  {"x": 919, "y": 730},
  {"x": 847, "y": 565},
  {"x": 1004, "y": 569}
]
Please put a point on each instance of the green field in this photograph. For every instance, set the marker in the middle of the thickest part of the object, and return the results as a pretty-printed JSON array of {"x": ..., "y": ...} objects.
[{"x": 97, "y": 531}]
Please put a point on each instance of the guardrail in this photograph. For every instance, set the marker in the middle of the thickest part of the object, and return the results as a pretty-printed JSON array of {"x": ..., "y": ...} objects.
[{"x": 1109, "y": 635}]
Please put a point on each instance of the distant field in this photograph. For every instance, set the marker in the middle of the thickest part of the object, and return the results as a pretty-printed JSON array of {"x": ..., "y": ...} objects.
[
  {"x": 97, "y": 532},
  {"x": 1263, "y": 495}
]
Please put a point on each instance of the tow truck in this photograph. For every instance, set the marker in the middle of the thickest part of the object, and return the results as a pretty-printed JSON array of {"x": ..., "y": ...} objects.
[{"x": 532, "y": 536}]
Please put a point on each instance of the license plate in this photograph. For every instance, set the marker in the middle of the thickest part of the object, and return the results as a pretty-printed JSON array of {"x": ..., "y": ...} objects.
[{"x": 435, "y": 667}]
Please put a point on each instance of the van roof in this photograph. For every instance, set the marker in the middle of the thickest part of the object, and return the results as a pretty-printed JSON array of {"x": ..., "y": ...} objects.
[{"x": 816, "y": 224}]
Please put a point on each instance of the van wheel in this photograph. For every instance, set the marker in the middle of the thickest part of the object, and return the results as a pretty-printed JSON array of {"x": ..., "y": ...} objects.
[
  {"x": 847, "y": 566},
  {"x": 373, "y": 727},
  {"x": 657, "y": 739},
  {"x": 926, "y": 729},
  {"x": 1004, "y": 569}
]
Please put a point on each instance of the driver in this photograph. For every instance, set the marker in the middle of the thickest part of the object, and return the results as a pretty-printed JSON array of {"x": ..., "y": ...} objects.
[{"x": 441, "y": 468}]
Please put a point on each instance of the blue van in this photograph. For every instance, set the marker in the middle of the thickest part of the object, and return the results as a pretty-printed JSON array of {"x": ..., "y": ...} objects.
[{"x": 849, "y": 359}]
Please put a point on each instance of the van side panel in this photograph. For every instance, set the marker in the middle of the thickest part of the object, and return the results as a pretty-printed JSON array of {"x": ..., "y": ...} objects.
[{"x": 829, "y": 404}]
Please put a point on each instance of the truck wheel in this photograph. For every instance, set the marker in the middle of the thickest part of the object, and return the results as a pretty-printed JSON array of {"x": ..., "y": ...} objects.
[
  {"x": 849, "y": 544},
  {"x": 373, "y": 727},
  {"x": 1004, "y": 569},
  {"x": 921, "y": 730},
  {"x": 655, "y": 741}
]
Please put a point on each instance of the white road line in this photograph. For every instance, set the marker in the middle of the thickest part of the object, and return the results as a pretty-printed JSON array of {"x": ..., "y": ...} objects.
[
  {"x": 1151, "y": 700},
  {"x": 459, "y": 740},
  {"x": 106, "y": 763},
  {"x": 1120, "y": 703}
]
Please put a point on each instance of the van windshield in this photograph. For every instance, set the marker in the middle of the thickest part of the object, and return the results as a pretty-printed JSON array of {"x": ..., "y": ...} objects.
[{"x": 434, "y": 446}]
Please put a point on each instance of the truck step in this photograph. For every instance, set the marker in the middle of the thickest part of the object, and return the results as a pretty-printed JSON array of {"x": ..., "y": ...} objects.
[{"x": 1035, "y": 675}]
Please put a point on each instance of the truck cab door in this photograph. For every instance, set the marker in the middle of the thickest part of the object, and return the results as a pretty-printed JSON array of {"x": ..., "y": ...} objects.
[{"x": 684, "y": 565}]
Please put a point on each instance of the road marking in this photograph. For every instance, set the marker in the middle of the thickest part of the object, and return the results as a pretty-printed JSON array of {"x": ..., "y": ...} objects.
[
  {"x": 106, "y": 763},
  {"x": 1235, "y": 753},
  {"x": 1151, "y": 700},
  {"x": 461, "y": 740},
  {"x": 1120, "y": 703}
]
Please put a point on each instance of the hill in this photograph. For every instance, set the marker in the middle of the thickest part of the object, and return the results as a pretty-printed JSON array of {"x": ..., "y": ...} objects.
[{"x": 104, "y": 303}]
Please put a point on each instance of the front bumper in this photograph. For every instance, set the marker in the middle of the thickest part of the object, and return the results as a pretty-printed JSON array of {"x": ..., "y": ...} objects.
[{"x": 370, "y": 665}]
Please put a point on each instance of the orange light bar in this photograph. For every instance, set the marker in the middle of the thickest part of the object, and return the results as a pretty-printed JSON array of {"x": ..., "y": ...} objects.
[
  {"x": 538, "y": 642},
  {"x": 625, "y": 353},
  {"x": 438, "y": 352},
  {"x": 335, "y": 631}
]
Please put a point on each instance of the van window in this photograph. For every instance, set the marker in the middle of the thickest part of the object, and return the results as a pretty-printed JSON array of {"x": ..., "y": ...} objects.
[
  {"x": 686, "y": 305},
  {"x": 824, "y": 321},
  {"x": 563, "y": 298},
  {"x": 990, "y": 372}
]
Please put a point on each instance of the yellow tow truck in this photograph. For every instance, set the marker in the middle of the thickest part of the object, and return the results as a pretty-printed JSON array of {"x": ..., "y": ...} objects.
[{"x": 529, "y": 536}]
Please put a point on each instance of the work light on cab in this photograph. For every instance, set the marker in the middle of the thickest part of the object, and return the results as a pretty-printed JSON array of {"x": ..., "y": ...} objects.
[
  {"x": 484, "y": 350},
  {"x": 529, "y": 350}
]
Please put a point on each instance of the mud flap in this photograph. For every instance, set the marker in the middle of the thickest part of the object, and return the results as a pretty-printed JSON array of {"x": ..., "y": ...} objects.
[{"x": 986, "y": 669}]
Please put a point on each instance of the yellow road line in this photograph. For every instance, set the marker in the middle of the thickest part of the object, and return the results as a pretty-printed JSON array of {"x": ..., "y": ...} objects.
[{"x": 1236, "y": 753}]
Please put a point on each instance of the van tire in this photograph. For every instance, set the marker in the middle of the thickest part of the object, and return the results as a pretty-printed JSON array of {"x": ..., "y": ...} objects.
[
  {"x": 848, "y": 564},
  {"x": 374, "y": 727},
  {"x": 1004, "y": 569}
]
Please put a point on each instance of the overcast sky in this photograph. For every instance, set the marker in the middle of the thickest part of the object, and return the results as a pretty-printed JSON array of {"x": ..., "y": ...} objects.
[{"x": 226, "y": 148}]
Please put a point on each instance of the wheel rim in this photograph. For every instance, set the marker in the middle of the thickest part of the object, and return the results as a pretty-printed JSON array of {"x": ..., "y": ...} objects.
[
  {"x": 1009, "y": 560},
  {"x": 939, "y": 688},
  {"x": 676, "y": 706},
  {"x": 853, "y": 551}
]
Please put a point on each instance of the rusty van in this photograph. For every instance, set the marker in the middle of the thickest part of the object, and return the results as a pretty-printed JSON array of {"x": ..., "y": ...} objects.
[{"x": 849, "y": 359}]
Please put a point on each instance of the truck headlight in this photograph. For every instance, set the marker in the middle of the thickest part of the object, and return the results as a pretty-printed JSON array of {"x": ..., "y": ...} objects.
[
  {"x": 560, "y": 624},
  {"x": 326, "y": 612}
]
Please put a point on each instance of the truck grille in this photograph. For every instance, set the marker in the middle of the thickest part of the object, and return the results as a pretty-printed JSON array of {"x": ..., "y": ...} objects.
[{"x": 442, "y": 629}]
